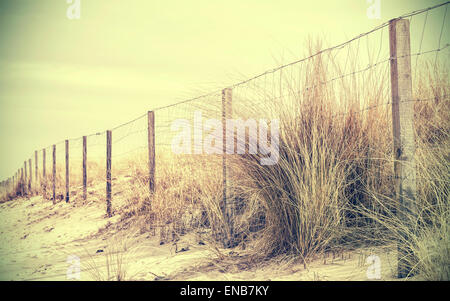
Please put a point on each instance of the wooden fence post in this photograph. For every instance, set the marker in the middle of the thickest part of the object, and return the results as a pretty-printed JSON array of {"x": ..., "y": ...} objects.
[
  {"x": 108, "y": 172},
  {"x": 36, "y": 175},
  {"x": 227, "y": 206},
  {"x": 84, "y": 167},
  {"x": 54, "y": 174},
  {"x": 22, "y": 186},
  {"x": 25, "y": 184},
  {"x": 403, "y": 132},
  {"x": 44, "y": 178},
  {"x": 151, "y": 150},
  {"x": 67, "y": 172},
  {"x": 30, "y": 178}
]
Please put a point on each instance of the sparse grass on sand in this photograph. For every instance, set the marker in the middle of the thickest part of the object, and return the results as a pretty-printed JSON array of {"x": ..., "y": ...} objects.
[{"x": 331, "y": 189}]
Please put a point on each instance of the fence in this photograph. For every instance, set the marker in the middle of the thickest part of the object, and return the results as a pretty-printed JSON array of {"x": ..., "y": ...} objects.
[{"x": 76, "y": 163}]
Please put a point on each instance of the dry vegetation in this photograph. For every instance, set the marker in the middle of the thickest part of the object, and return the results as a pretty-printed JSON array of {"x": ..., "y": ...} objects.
[{"x": 332, "y": 188}]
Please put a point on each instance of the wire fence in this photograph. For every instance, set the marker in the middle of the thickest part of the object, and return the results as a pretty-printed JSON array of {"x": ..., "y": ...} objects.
[{"x": 360, "y": 67}]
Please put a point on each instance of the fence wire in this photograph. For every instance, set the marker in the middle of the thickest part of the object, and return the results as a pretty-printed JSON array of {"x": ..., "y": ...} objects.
[{"x": 352, "y": 77}]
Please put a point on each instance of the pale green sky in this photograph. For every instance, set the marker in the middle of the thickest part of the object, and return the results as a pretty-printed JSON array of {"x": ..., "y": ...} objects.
[{"x": 62, "y": 78}]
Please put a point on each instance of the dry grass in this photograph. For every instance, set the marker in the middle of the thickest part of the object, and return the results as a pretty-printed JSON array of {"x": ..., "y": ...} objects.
[
  {"x": 112, "y": 263},
  {"x": 332, "y": 186}
]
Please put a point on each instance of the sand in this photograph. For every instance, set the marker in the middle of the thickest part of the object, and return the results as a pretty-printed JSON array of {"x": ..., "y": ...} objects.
[{"x": 39, "y": 240}]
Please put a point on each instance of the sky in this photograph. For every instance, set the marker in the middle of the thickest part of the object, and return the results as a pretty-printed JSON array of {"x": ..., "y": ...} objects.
[{"x": 64, "y": 78}]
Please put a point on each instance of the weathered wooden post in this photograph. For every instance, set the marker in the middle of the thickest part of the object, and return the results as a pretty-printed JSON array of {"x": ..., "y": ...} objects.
[
  {"x": 108, "y": 172},
  {"x": 22, "y": 186},
  {"x": 54, "y": 174},
  {"x": 30, "y": 179},
  {"x": 36, "y": 175},
  {"x": 67, "y": 172},
  {"x": 403, "y": 132},
  {"x": 227, "y": 206},
  {"x": 44, "y": 178},
  {"x": 25, "y": 184},
  {"x": 84, "y": 167},
  {"x": 151, "y": 150}
]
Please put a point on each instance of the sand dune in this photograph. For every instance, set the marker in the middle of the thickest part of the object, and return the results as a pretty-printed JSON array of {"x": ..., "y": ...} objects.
[{"x": 37, "y": 238}]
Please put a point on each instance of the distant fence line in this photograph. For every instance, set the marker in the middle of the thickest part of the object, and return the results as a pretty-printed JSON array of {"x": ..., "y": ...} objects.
[{"x": 145, "y": 126}]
